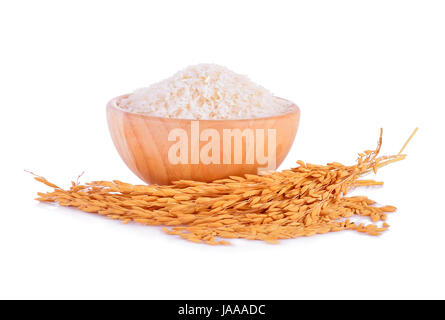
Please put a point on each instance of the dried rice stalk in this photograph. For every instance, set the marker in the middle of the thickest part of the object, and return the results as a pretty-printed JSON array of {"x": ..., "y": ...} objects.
[{"x": 307, "y": 200}]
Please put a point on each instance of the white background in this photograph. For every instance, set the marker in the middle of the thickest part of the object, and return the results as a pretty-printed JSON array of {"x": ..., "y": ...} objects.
[{"x": 351, "y": 66}]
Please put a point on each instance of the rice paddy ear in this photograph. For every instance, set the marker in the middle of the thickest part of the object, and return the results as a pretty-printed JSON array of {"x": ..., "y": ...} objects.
[{"x": 307, "y": 200}]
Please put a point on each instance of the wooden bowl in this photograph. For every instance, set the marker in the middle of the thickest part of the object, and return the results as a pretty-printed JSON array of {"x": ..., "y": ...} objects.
[{"x": 142, "y": 142}]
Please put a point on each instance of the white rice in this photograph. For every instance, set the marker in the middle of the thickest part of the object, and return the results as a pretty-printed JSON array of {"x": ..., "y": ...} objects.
[{"x": 205, "y": 91}]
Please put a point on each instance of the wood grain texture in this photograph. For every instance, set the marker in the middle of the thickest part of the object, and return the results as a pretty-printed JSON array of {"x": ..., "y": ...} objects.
[{"x": 142, "y": 142}]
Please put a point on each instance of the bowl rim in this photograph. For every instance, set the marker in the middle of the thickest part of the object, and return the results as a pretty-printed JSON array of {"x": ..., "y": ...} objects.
[{"x": 294, "y": 109}]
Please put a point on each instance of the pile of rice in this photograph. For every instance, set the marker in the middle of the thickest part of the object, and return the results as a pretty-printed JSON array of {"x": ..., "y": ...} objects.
[{"x": 205, "y": 91}]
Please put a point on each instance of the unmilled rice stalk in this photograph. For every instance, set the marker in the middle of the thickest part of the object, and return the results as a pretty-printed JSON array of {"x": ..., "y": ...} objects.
[{"x": 307, "y": 200}]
